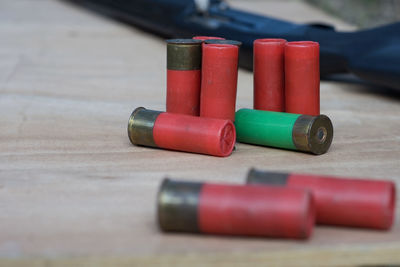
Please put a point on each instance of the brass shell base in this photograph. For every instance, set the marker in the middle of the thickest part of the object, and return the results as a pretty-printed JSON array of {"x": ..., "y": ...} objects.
[
  {"x": 140, "y": 126},
  {"x": 265, "y": 177},
  {"x": 217, "y": 41},
  {"x": 184, "y": 54},
  {"x": 177, "y": 204},
  {"x": 313, "y": 134}
]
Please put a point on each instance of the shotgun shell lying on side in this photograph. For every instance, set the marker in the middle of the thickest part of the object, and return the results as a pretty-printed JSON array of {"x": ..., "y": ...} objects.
[
  {"x": 184, "y": 76},
  {"x": 181, "y": 132},
  {"x": 269, "y": 74},
  {"x": 340, "y": 201},
  {"x": 305, "y": 133},
  {"x": 235, "y": 209}
]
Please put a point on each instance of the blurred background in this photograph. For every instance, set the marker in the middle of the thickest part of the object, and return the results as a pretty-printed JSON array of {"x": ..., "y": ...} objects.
[
  {"x": 362, "y": 13},
  {"x": 74, "y": 191}
]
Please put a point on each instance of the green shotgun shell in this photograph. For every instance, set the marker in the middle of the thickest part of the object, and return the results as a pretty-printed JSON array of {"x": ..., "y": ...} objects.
[
  {"x": 217, "y": 41},
  {"x": 184, "y": 54},
  {"x": 312, "y": 134}
]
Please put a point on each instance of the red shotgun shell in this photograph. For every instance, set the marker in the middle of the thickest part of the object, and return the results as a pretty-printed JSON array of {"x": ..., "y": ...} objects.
[
  {"x": 181, "y": 132},
  {"x": 203, "y": 38},
  {"x": 302, "y": 78},
  {"x": 340, "y": 201},
  {"x": 223, "y": 41},
  {"x": 219, "y": 81},
  {"x": 269, "y": 75},
  {"x": 235, "y": 209},
  {"x": 183, "y": 76}
]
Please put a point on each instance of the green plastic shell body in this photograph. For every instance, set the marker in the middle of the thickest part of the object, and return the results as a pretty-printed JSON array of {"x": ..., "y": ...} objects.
[{"x": 266, "y": 128}]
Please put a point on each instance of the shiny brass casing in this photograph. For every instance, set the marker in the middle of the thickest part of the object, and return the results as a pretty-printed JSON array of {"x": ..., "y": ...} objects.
[
  {"x": 184, "y": 54},
  {"x": 313, "y": 134},
  {"x": 265, "y": 177},
  {"x": 140, "y": 126},
  {"x": 177, "y": 204}
]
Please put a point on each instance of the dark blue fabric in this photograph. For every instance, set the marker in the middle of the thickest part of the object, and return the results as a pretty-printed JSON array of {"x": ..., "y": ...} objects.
[{"x": 373, "y": 55}]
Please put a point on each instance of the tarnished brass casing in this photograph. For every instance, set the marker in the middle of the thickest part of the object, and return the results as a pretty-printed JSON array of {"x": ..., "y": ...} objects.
[
  {"x": 313, "y": 134},
  {"x": 140, "y": 126},
  {"x": 177, "y": 204},
  {"x": 184, "y": 54},
  {"x": 272, "y": 178},
  {"x": 216, "y": 41}
]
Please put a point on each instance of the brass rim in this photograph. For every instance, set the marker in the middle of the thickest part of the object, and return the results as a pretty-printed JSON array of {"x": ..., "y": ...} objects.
[
  {"x": 313, "y": 134},
  {"x": 216, "y": 41},
  {"x": 184, "y": 54},
  {"x": 140, "y": 126},
  {"x": 265, "y": 177},
  {"x": 177, "y": 204}
]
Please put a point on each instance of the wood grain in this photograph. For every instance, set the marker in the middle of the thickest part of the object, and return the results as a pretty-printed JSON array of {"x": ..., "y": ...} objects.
[{"x": 74, "y": 191}]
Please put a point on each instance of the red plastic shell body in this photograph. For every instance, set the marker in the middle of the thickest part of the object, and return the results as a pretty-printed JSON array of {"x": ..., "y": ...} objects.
[
  {"x": 219, "y": 81},
  {"x": 194, "y": 134},
  {"x": 183, "y": 91},
  {"x": 269, "y": 76},
  {"x": 256, "y": 211},
  {"x": 350, "y": 202},
  {"x": 302, "y": 78}
]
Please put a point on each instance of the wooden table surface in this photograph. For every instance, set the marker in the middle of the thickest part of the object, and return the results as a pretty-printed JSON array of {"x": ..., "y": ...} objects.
[{"x": 74, "y": 191}]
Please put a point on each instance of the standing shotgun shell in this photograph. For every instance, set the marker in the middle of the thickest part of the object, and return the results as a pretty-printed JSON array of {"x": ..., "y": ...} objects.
[
  {"x": 340, "y": 201},
  {"x": 305, "y": 133},
  {"x": 223, "y": 41},
  {"x": 235, "y": 209},
  {"x": 183, "y": 76},
  {"x": 181, "y": 132},
  {"x": 269, "y": 74},
  {"x": 219, "y": 81},
  {"x": 204, "y": 38},
  {"x": 302, "y": 78}
]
